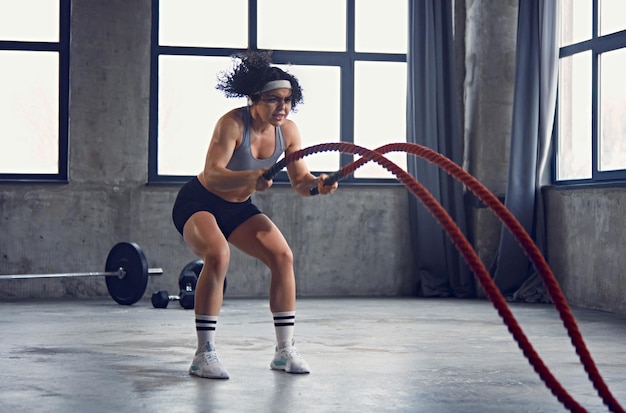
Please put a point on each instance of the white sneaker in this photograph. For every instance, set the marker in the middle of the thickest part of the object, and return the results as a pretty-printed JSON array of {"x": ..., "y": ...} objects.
[
  {"x": 206, "y": 364},
  {"x": 289, "y": 360}
]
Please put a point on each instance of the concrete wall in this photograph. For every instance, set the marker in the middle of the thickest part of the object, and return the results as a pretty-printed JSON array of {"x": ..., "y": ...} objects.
[
  {"x": 587, "y": 246},
  {"x": 353, "y": 243}
]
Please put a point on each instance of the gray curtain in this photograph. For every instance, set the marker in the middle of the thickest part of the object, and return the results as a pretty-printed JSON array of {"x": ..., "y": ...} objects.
[
  {"x": 433, "y": 121},
  {"x": 533, "y": 117}
]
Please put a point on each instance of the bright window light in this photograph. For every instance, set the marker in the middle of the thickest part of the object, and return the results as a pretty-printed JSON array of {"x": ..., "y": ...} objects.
[
  {"x": 574, "y": 143},
  {"x": 379, "y": 112},
  {"x": 302, "y": 25},
  {"x": 374, "y": 17},
  {"x": 612, "y": 140},
  {"x": 29, "y": 112},
  {"x": 203, "y": 23},
  {"x": 29, "y": 20}
]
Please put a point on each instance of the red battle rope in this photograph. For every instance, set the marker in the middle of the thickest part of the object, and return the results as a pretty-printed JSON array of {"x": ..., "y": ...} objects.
[{"x": 470, "y": 256}]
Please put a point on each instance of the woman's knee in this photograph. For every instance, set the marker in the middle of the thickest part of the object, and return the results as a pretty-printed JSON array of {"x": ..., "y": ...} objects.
[
  {"x": 216, "y": 260},
  {"x": 282, "y": 258}
]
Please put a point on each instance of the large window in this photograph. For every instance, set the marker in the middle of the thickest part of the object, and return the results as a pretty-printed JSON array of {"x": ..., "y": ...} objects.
[
  {"x": 349, "y": 56},
  {"x": 34, "y": 89},
  {"x": 591, "y": 126}
]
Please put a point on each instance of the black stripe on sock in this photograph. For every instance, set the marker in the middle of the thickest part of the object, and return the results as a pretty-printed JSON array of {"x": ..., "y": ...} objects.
[
  {"x": 201, "y": 327},
  {"x": 285, "y": 317},
  {"x": 283, "y": 324}
]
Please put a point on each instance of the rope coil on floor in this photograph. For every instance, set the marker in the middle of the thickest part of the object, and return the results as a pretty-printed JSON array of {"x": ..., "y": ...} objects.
[{"x": 470, "y": 256}]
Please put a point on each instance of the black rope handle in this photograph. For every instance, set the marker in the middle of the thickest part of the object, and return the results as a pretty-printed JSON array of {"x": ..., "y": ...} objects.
[
  {"x": 314, "y": 190},
  {"x": 275, "y": 169},
  {"x": 331, "y": 179}
]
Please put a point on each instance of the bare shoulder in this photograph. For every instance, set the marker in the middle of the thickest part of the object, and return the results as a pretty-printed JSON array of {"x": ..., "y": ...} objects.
[
  {"x": 292, "y": 135},
  {"x": 289, "y": 126},
  {"x": 229, "y": 126},
  {"x": 232, "y": 118}
]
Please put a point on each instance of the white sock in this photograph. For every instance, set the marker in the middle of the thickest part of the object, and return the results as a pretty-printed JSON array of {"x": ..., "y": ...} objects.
[
  {"x": 284, "y": 325},
  {"x": 205, "y": 329}
]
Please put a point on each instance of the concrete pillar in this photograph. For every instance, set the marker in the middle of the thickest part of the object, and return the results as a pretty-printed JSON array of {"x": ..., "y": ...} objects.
[{"x": 490, "y": 41}]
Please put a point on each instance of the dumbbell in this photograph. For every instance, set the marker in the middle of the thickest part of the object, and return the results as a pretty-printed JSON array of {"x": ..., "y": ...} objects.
[
  {"x": 188, "y": 298},
  {"x": 187, "y": 281},
  {"x": 160, "y": 299},
  {"x": 195, "y": 267}
]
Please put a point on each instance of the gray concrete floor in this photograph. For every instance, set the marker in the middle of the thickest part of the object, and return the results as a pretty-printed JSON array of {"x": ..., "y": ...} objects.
[{"x": 366, "y": 355}]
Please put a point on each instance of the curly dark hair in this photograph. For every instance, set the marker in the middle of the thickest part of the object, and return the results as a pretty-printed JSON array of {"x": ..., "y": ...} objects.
[{"x": 251, "y": 71}]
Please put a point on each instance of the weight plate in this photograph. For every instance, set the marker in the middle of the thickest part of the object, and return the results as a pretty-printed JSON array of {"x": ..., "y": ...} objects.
[{"x": 130, "y": 288}]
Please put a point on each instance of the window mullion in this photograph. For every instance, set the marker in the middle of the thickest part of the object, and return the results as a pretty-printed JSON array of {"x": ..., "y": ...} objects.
[
  {"x": 347, "y": 83},
  {"x": 253, "y": 26},
  {"x": 595, "y": 113},
  {"x": 595, "y": 24},
  {"x": 595, "y": 84},
  {"x": 153, "y": 167},
  {"x": 64, "y": 88}
]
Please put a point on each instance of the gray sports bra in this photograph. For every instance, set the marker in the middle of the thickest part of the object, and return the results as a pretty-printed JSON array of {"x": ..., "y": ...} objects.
[{"x": 243, "y": 160}]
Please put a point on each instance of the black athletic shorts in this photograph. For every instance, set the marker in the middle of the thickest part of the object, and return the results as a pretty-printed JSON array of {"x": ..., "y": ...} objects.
[{"x": 194, "y": 197}]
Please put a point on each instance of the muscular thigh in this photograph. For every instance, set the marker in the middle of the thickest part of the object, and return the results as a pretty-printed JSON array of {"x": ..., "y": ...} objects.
[
  {"x": 260, "y": 237},
  {"x": 203, "y": 235}
]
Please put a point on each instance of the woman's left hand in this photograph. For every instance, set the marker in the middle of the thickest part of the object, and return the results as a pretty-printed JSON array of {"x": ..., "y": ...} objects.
[{"x": 325, "y": 189}]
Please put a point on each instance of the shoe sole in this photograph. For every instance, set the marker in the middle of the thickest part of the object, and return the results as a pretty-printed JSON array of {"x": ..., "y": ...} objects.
[
  {"x": 297, "y": 371},
  {"x": 197, "y": 374},
  {"x": 283, "y": 368}
]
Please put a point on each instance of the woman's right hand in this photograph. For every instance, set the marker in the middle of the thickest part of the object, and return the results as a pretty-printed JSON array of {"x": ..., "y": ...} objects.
[{"x": 263, "y": 184}]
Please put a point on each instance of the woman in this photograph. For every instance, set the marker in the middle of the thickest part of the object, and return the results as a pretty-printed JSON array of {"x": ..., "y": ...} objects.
[{"x": 215, "y": 208}]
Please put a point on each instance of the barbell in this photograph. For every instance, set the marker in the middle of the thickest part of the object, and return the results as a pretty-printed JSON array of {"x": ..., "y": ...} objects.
[{"x": 126, "y": 272}]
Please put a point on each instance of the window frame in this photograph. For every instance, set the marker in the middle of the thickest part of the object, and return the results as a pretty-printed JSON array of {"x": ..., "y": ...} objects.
[
  {"x": 344, "y": 60},
  {"x": 62, "y": 47},
  {"x": 596, "y": 45}
]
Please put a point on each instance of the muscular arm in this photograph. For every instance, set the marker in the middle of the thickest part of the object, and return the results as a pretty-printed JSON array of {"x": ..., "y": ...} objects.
[
  {"x": 302, "y": 180},
  {"x": 226, "y": 136}
]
